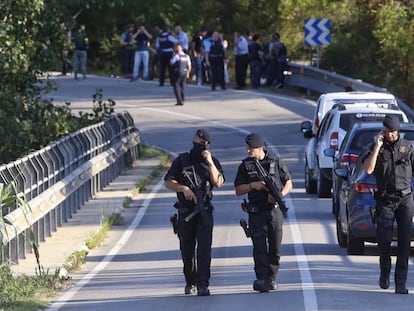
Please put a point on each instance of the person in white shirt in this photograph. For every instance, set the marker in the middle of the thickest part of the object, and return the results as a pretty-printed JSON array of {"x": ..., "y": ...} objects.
[{"x": 181, "y": 64}]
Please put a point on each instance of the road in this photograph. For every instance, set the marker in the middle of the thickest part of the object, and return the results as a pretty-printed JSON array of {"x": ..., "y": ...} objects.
[{"x": 140, "y": 268}]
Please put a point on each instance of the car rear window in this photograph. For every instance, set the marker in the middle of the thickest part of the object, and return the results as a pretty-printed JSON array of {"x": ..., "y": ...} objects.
[
  {"x": 347, "y": 120},
  {"x": 364, "y": 138}
]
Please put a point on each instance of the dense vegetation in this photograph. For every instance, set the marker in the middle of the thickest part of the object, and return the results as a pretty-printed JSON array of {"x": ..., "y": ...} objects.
[{"x": 371, "y": 40}]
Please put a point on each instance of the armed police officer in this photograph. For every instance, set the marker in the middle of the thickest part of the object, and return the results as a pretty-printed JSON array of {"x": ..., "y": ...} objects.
[
  {"x": 391, "y": 159},
  {"x": 265, "y": 217},
  {"x": 165, "y": 43},
  {"x": 193, "y": 175},
  {"x": 182, "y": 68}
]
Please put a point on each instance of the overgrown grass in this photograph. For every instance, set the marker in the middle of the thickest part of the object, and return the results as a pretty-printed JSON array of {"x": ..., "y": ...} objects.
[
  {"x": 165, "y": 162},
  {"x": 26, "y": 293},
  {"x": 30, "y": 293}
]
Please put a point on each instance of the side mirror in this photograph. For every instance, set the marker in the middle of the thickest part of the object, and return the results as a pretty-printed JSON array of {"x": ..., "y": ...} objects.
[
  {"x": 329, "y": 152},
  {"x": 342, "y": 172},
  {"x": 306, "y": 129}
]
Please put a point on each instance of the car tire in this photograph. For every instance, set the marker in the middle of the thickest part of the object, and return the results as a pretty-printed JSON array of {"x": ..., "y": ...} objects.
[
  {"x": 323, "y": 186},
  {"x": 310, "y": 184},
  {"x": 340, "y": 235},
  {"x": 355, "y": 245}
]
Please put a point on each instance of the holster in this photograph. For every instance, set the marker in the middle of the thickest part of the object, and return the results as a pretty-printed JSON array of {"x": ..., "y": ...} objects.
[{"x": 249, "y": 207}]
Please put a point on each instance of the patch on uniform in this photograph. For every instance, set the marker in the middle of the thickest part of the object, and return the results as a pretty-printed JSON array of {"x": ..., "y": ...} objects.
[{"x": 402, "y": 149}]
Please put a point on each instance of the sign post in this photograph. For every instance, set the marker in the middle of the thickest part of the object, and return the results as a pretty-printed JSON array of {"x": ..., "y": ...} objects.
[{"x": 317, "y": 33}]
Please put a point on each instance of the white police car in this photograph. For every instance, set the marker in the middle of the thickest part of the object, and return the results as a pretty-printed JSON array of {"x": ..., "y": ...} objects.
[
  {"x": 332, "y": 130},
  {"x": 326, "y": 101}
]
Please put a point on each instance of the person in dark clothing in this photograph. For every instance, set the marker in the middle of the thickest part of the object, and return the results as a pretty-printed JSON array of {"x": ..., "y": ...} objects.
[
  {"x": 197, "y": 46},
  {"x": 215, "y": 58},
  {"x": 181, "y": 63},
  {"x": 241, "y": 52},
  {"x": 277, "y": 63},
  {"x": 128, "y": 50},
  {"x": 265, "y": 217},
  {"x": 193, "y": 175},
  {"x": 165, "y": 46},
  {"x": 81, "y": 42},
  {"x": 255, "y": 61},
  {"x": 391, "y": 159}
]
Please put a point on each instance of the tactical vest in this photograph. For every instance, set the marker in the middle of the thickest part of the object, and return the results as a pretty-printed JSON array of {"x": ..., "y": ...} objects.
[
  {"x": 182, "y": 64},
  {"x": 216, "y": 49},
  {"x": 269, "y": 164},
  {"x": 164, "y": 42},
  {"x": 190, "y": 177}
]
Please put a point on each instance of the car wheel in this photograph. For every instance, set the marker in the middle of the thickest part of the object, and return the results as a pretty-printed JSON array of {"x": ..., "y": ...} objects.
[
  {"x": 355, "y": 245},
  {"x": 323, "y": 186},
  {"x": 340, "y": 235},
  {"x": 310, "y": 184}
]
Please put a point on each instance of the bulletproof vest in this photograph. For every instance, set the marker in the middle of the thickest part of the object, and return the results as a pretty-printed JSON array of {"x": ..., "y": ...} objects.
[
  {"x": 194, "y": 174},
  {"x": 216, "y": 49},
  {"x": 269, "y": 164},
  {"x": 182, "y": 64},
  {"x": 164, "y": 42},
  {"x": 393, "y": 170},
  {"x": 80, "y": 41},
  {"x": 128, "y": 37}
]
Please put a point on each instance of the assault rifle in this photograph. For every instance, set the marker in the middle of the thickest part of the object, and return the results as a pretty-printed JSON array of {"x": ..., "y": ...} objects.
[
  {"x": 271, "y": 187},
  {"x": 200, "y": 207}
]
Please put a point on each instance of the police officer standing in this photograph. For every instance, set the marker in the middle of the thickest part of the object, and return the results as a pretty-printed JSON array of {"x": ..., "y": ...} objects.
[
  {"x": 265, "y": 217},
  {"x": 193, "y": 175},
  {"x": 391, "y": 159},
  {"x": 181, "y": 64},
  {"x": 215, "y": 58},
  {"x": 165, "y": 45}
]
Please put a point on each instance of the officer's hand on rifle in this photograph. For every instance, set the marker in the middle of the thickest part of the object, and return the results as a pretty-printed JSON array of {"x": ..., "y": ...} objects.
[
  {"x": 258, "y": 185},
  {"x": 189, "y": 195}
]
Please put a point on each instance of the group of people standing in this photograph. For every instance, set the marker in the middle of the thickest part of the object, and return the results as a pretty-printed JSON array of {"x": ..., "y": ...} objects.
[{"x": 208, "y": 52}]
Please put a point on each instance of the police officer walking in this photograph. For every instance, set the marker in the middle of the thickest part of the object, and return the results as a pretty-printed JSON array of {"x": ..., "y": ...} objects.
[
  {"x": 391, "y": 159},
  {"x": 193, "y": 175},
  {"x": 181, "y": 64},
  {"x": 215, "y": 58},
  {"x": 265, "y": 217},
  {"x": 165, "y": 45}
]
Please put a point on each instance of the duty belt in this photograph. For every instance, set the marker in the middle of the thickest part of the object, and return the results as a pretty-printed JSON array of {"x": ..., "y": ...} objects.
[{"x": 394, "y": 196}]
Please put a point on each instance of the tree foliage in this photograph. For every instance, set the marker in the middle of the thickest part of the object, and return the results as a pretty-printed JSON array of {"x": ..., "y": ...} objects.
[{"x": 371, "y": 40}]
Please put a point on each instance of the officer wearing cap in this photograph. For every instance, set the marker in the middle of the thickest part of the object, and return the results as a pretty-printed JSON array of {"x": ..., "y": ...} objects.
[
  {"x": 192, "y": 176},
  {"x": 265, "y": 217},
  {"x": 391, "y": 158}
]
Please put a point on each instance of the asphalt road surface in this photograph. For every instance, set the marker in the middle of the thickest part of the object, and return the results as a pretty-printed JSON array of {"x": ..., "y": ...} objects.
[{"x": 139, "y": 268}]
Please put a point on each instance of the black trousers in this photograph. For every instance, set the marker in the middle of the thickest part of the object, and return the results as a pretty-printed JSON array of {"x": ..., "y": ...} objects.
[
  {"x": 165, "y": 58},
  {"x": 242, "y": 62},
  {"x": 217, "y": 72},
  {"x": 179, "y": 84},
  {"x": 267, "y": 232},
  {"x": 402, "y": 213},
  {"x": 195, "y": 245},
  {"x": 128, "y": 55}
]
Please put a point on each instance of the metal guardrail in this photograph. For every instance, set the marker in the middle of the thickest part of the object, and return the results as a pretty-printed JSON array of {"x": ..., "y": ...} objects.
[
  {"x": 320, "y": 81},
  {"x": 58, "y": 179}
]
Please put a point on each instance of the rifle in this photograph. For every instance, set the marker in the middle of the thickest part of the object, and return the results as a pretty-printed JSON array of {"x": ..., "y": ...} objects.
[
  {"x": 199, "y": 208},
  {"x": 271, "y": 187}
]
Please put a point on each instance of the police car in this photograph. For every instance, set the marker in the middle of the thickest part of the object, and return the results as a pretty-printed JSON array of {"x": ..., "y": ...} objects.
[
  {"x": 326, "y": 101},
  {"x": 333, "y": 128}
]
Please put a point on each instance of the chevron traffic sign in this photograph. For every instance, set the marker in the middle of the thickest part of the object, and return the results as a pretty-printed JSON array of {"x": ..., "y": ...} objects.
[{"x": 317, "y": 31}]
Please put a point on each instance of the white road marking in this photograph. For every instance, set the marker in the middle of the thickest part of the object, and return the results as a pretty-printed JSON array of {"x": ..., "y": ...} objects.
[
  {"x": 309, "y": 295},
  {"x": 60, "y": 302}
]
